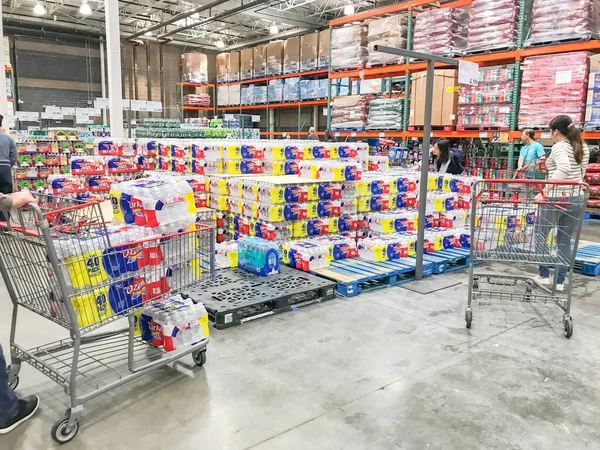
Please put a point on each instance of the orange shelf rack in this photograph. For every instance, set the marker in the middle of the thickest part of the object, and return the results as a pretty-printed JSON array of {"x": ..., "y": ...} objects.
[
  {"x": 274, "y": 105},
  {"x": 195, "y": 108},
  {"x": 198, "y": 85},
  {"x": 277, "y": 77}
]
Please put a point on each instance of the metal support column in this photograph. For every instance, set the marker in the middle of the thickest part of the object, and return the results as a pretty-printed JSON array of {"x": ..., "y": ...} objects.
[
  {"x": 329, "y": 84},
  {"x": 3, "y": 99},
  {"x": 431, "y": 60},
  {"x": 315, "y": 121},
  {"x": 102, "y": 77},
  {"x": 113, "y": 47}
]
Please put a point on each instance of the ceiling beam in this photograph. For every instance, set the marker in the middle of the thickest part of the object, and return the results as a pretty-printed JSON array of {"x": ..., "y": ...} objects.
[
  {"x": 222, "y": 15},
  {"x": 178, "y": 17},
  {"x": 282, "y": 35},
  {"x": 288, "y": 17}
]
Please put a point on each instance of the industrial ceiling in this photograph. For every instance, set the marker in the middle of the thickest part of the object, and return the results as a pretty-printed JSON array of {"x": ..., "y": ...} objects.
[{"x": 219, "y": 25}]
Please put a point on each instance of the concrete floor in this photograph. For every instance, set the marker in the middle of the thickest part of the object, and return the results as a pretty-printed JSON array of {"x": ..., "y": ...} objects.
[{"x": 390, "y": 369}]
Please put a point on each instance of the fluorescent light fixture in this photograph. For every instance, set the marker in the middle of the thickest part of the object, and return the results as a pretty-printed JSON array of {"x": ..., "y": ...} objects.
[
  {"x": 39, "y": 9},
  {"x": 274, "y": 29},
  {"x": 220, "y": 44},
  {"x": 85, "y": 9},
  {"x": 148, "y": 33},
  {"x": 348, "y": 10}
]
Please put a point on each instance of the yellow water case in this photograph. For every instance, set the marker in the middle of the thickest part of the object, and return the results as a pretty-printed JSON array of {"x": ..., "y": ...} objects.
[
  {"x": 334, "y": 225},
  {"x": 92, "y": 307},
  {"x": 86, "y": 270}
]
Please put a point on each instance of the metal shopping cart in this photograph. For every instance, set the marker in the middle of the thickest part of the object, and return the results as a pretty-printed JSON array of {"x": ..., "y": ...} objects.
[
  {"x": 534, "y": 222},
  {"x": 59, "y": 260}
]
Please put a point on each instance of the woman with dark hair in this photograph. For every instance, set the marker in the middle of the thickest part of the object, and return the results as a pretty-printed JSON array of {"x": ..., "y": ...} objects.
[
  {"x": 567, "y": 162},
  {"x": 329, "y": 136},
  {"x": 444, "y": 160}
]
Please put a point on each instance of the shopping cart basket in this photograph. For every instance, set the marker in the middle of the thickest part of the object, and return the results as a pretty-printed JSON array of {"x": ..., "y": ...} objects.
[
  {"x": 59, "y": 260},
  {"x": 525, "y": 221}
]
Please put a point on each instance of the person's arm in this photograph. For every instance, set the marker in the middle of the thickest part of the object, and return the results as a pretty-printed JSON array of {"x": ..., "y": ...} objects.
[
  {"x": 15, "y": 200},
  {"x": 520, "y": 164},
  {"x": 12, "y": 155}
]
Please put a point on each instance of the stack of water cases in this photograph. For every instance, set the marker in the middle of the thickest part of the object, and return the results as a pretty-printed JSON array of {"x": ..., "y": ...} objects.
[
  {"x": 91, "y": 176},
  {"x": 388, "y": 207}
]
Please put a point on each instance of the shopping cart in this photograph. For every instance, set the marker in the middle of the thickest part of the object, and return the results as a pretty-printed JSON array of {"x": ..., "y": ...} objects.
[
  {"x": 59, "y": 260},
  {"x": 531, "y": 222}
]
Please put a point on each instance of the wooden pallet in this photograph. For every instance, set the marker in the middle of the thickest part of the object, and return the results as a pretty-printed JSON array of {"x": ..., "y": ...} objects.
[
  {"x": 587, "y": 260},
  {"x": 433, "y": 128},
  {"x": 356, "y": 275}
]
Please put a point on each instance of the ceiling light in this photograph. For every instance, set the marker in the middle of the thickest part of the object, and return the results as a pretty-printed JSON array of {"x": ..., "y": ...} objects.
[
  {"x": 348, "y": 9},
  {"x": 220, "y": 44},
  {"x": 39, "y": 9},
  {"x": 148, "y": 33},
  {"x": 195, "y": 16},
  {"x": 85, "y": 9},
  {"x": 274, "y": 29}
]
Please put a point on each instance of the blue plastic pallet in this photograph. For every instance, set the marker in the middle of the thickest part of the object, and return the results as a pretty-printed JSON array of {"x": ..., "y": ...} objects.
[
  {"x": 587, "y": 259},
  {"x": 356, "y": 275},
  {"x": 591, "y": 215}
]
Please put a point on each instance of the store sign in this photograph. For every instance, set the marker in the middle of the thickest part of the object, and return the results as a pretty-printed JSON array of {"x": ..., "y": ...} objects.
[
  {"x": 101, "y": 103},
  {"x": 56, "y": 115},
  {"x": 154, "y": 106},
  {"x": 52, "y": 109},
  {"x": 94, "y": 112},
  {"x": 126, "y": 104},
  {"x": 468, "y": 73},
  {"x": 139, "y": 105},
  {"x": 27, "y": 116},
  {"x": 67, "y": 111},
  {"x": 255, "y": 118}
]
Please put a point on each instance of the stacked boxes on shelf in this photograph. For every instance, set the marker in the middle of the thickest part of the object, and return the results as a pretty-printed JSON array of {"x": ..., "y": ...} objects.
[
  {"x": 233, "y": 72},
  {"x": 489, "y": 104},
  {"x": 349, "y": 47},
  {"x": 259, "y": 68},
  {"x": 390, "y": 32},
  {"x": 323, "y": 58},
  {"x": 441, "y": 31},
  {"x": 553, "y": 85},
  {"x": 592, "y": 111},
  {"x": 350, "y": 112},
  {"x": 273, "y": 60},
  {"x": 445, "y": 98},
  {"x": 553, "y": 22},
  {"x": 223, "y": 68},
  {"x": 195, "y": 67},
  {"x": 592, "y": 177},
  {"x": 309, "y": 52},
  {"x": 246, "y": 63},
  {"x": 493, "y": 25},
  {"x": 291, "y": 55}
]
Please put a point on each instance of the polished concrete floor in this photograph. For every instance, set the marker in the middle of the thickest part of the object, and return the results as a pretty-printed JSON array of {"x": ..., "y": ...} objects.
[{"x": 390, "y": 369}]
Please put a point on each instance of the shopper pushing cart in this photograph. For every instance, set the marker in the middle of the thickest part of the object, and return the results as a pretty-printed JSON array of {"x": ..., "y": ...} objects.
[{"x": 532, "y": 222}]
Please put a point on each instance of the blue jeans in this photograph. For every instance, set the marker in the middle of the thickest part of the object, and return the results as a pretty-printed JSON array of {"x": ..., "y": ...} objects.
[
  {"x": 566, "y": 220},
  {"x": 8, "y": 399}
]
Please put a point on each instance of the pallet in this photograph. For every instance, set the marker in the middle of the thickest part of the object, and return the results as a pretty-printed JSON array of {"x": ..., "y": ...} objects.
[
  {"x": 591, "y": 127},
  {"x": 498, "y": 48},
  {"x": 356, "y": 275},
  {"x": 587, "y": 260},
  {"x": 591, "y": 214},
  {"x": 235, "y": 296},
  {"x": 360, "y": 129},
  {"x": 555, "y": 42},
  {"x": 481, "y": 128},
  {"x": 433, "y": 127},
  {"x": 448, "y": 260}
]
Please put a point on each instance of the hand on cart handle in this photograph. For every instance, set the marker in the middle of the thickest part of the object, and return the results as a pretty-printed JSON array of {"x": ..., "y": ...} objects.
[{"x": 21, "y": 199}]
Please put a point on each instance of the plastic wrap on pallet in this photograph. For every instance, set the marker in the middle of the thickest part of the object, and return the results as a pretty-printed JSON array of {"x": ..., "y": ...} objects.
[
  {"x": 275, "y": 91},
  {"x": 260, "y": 94},
  {"x": 553, "y": 21},
  {"x": 385, "y": 114},
  {"x": 349, "y": 47},
  {"x": 553, "y": 85},
  {"x": 196, "y": 100},
  {"x": 441, "y": 31},
  {"x": 234, "y": 94},
  {"x": 247, "y": 95},
  {"x": 291, "y": 89},
  {"x": 350, "y": 111},
  {"x": 493, "y": 24},
  {"x": 389, "y": 31},
  {"x": 592, "y": 110},
  {"x": 223, "y": 95}
]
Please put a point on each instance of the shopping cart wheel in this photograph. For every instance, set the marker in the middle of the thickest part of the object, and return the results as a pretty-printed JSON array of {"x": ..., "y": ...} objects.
[
  {"x": 60, "y": 430},
  {"x": 199, "y": 357},
  {"x": 14, "y": 383},
  {"x": 568, "y": 325},
  {"x": 468, "y": 317}
]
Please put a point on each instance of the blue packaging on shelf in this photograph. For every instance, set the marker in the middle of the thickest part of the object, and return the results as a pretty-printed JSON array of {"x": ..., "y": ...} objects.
[{"x": 291, "y": 90}]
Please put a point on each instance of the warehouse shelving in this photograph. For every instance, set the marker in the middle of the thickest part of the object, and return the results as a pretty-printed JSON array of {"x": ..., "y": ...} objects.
[
  {"x": 299, "y": 104},
  {"x": 181, "y": 94},
  {"x": 516, "y": 56}
]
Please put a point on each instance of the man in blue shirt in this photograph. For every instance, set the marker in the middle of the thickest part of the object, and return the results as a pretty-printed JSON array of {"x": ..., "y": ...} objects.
[{"x": 531, "y": 153}]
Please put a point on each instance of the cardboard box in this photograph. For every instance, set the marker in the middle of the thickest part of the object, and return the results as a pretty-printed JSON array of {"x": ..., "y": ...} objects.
[
  {"x": 246, "y": 63},
  {"x": 291, "y": 55},
  {"x": 309, "y": 51},
  {"x": 274, "y": 61},
  {"x": 445, "y": 98},
  {"x": 195, "y": 67},
  {"x": 323, "y": 49},
  {"x": 233, "y": 72},
  {"x": 222, "y": 67},
  {"x": 260, "y": 61},
  {"x": 595, "y": 62}
]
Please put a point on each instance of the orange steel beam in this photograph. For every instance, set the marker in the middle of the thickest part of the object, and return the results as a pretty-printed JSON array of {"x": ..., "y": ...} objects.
[
  {"x": 277, "y": 77},
  {"x": 560, "y": 48},
  {"x": 195, "y": 108},
  {"x": 188, "y": 83}
]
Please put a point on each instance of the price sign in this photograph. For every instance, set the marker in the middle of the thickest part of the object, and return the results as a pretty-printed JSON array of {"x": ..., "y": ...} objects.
[
  {"x": 94, "y": 112},
  {"x": 255, "y": 118},
  {"x": 126, "y": 105},
  {"x": 101, "y": 103},
  {"x": 154, "y": 106},
  {"x": 27, "y": 116},
  {"x": 468, "y": 73},
  {"x": 67, "y": 111}
]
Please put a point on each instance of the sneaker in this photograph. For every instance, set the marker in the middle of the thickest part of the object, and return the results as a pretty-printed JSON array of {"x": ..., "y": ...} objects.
[
  {"x": 560, "y": 287},
  {"x": 26, "y": 408},
  {"x": 544, "y": 281}
]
